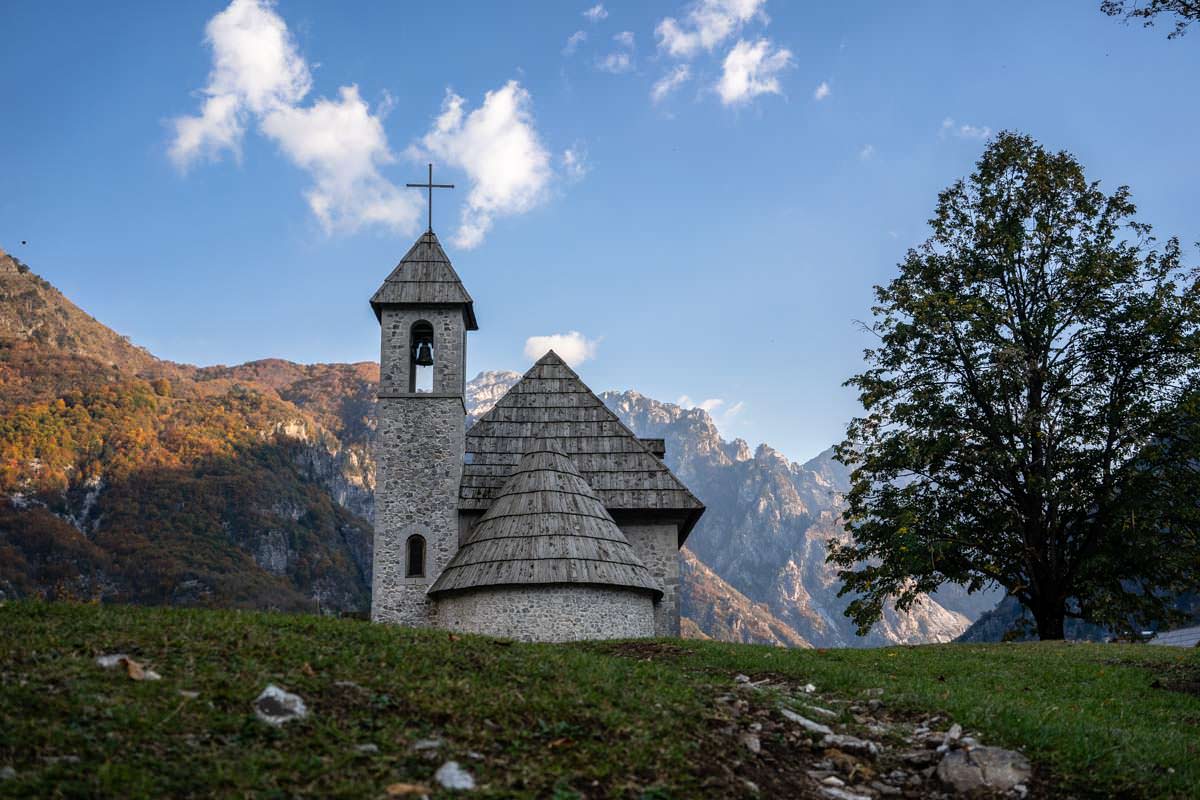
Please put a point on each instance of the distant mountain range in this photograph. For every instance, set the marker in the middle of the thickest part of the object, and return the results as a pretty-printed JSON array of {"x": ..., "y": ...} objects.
[{"x": 124, "y": 477}]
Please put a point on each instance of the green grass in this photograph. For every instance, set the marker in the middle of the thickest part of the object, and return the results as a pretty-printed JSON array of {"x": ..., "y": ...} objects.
[{"x": 542, "y": 720}]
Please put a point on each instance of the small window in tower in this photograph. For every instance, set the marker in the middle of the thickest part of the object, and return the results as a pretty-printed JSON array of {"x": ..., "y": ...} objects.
[
  {"x": 420, "y": 373},
  {"x": 416, "y": 557}
]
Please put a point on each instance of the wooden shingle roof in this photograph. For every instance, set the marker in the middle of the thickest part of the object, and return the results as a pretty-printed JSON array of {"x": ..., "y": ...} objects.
[
  {"x": 545, "y": 526},
  {"x": 550, "y": 400},
  {"x": 425, "y": 276}
]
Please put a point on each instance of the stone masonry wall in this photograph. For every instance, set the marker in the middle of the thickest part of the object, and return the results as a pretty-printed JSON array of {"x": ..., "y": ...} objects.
[
  {"x": 419, "y": 458},
  {"x": 658, "y": 548},
  {"x": 552, "y": 613}
]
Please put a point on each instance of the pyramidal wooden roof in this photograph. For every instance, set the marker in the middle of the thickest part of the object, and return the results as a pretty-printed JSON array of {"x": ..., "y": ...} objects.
[
  {"x": 546, "y": 526},
  {"x": 425, "y": 276},
  {"x": 550, "y": 400}
]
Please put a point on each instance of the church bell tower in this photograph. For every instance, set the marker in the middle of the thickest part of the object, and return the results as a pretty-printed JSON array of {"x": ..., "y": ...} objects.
[{"x": 424, "y": 314}]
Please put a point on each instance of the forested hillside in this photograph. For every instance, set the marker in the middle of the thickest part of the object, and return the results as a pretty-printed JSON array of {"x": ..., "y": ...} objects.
[{"x": 127, "y": 478}]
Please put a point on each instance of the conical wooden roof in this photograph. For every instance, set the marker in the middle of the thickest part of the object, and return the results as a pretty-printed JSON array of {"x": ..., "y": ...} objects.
[
  {"x": 546, "y": 526},
  {"x": 425, "y": 276},
  {"x": 551, "y": 400}
]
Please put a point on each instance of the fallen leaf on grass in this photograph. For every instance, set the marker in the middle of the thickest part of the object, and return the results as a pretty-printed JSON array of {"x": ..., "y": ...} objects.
[
  {"x": 563, "y": 742},
  {"x": 139, "y": 673},
  {"x": 307, "y": 669},
  {"x": 402, "y": 789}
]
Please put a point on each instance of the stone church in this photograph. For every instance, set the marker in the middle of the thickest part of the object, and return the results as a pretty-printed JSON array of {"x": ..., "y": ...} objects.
[{"x": 547, "y": 520}]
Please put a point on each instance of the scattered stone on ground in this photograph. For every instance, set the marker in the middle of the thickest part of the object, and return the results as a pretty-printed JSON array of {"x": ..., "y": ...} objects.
[
  {"x": 984, "y": 768},
  {"x": 862, "y": 751},
  {"x": 805, "y": 722},
  {"x": 451, "y": 776},
  {"x": 367, "y": 748},
  {"x": 274, "y": 706},
  {"x": 132, "y": 668},
  {"x": 751, "y": 742},
  {"x": 426, "y": 744},
  {"x": 189, "y": 694},
  {"x": 7, "y": 774}
]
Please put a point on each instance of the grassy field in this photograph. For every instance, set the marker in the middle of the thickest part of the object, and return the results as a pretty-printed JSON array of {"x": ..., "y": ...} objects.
[{"x": 606, "y": 719}]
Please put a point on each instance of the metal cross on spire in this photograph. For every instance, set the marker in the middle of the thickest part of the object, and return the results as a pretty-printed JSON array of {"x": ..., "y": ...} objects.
[{"x": 430, "y": 185}]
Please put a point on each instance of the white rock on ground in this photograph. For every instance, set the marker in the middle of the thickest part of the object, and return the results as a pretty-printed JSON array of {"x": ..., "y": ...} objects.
[
  {"x": 806, "y": 723},
  {"x": 451, "y": 776},
  {"x": 109, "y": 662},
  {"x": 275, "y": 706},
  {"x": 991, "y": 768}
]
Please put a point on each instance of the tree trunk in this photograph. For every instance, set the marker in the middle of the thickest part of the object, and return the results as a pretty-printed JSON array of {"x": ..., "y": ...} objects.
[{"x": 1051, "y": 618}]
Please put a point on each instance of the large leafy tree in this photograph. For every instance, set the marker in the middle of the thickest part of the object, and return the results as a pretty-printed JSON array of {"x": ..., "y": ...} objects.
[
  {"x": 1182, "y": 12},
  {"x": 1029, "y": 409}
]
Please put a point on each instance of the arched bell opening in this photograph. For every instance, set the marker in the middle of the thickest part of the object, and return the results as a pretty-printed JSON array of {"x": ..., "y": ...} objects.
[{"x": 421, "y": 358}]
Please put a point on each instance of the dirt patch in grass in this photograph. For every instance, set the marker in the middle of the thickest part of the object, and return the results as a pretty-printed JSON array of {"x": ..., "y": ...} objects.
[
  {"x": 1183, "y": 678},
  {"x": 644, "y": 651}
]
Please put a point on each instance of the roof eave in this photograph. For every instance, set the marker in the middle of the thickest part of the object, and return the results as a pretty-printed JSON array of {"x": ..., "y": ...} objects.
[{"x": 468, "y": 310}]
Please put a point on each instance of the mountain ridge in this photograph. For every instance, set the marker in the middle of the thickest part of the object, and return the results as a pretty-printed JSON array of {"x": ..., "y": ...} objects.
[{"x": 305, "y": 431}]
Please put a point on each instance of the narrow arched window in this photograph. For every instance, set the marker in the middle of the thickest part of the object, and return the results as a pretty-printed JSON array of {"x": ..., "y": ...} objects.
[
  {"x": 421, "y": 357},
  {"x": 416, "y": 557}
]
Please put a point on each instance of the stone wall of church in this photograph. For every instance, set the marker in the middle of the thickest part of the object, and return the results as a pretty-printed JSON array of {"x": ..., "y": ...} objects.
[
  {"x": 553, "y": 613},
  {"x": 419, "y": 458},
  {"x": 658, "y": 548},
  {"x": 449, "y": 348}
]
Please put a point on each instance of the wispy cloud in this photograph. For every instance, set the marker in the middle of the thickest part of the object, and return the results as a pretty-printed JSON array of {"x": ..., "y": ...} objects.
[
  {"x": 867, "y": 152},
  {"x": 822, "y": 91},
  {"x": 596, "y": 13},
  {"x": 499, "y": 148},
  {"x": 573, "y": 41},
  {"x": 574, "y": 162},
  {"x": 259, "y": 75},
  {"x": 723, "y": 414},
  {"x": 963, "y": 131},
  {"x": 620, "y": 60},
  {"x": 668, "y": 83},
  {"x": 573, "y": 347},
  {"x": 751, "y": 70},
  {"x": 616, "y": 63},
  {"x": 704, "y": 25}
]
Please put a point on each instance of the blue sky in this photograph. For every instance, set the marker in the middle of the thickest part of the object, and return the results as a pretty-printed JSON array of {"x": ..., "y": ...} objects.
[{"x": 714, "y": 242}]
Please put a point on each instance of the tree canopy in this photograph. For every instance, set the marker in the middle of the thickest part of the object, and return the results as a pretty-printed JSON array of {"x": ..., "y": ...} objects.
[
  {"x": 1184, "y": 12},
  {"x": 1030, "y": 409}
]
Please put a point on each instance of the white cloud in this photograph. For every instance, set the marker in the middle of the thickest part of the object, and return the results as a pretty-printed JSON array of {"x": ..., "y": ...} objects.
[
  {"x": 710, "y": 405},
  {"x": 342, "y": 145},
  {"x": 574, "y": 162},
  {"x": 596, "y": 13},
  {"x": 751, "y": 70},
  {"x": 964, "y": 131},
  {"x": 499, "y": 148},
  {"x": 705, "y": 25},
  {"x": 573, "y": 347},
  {"x": 616, "y": 63},
  {"x": 722, "y": 414},
  {"x": 573, "y": 41},
  {"x": 620, "y": 60},
  {"x": 258, "y": 73},
  {"x": 670, "y": 82},
  {"x": 256, "y": 69},
  {"x": 822, "y": 91},
  {"x": 867, "y": 152}
]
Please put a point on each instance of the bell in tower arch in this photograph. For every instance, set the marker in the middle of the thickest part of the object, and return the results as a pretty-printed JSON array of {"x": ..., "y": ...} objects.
[{"x": 424, "y": 354}]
